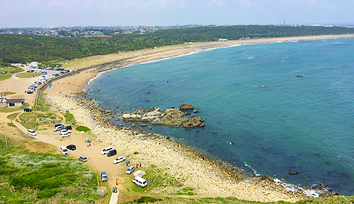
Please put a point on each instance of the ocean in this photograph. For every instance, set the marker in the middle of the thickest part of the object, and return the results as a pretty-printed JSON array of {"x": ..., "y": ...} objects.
[{"x": 303, "y": 124}]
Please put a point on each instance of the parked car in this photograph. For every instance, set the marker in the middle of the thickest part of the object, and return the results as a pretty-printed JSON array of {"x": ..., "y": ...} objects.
[
  {"x": 27, "y": 110},
  {"x": 130, "y": 170},
  {"x": 140, "y": 182},
  {"x": 58, "y": 127},
  {"x": 112, "y": 153},
  {"x": 71, "y": 147},
  {"x": 31, "y": 132},
  {"x": 68, "y": 127},
  {"x": 106, "y": 150},
  {"x": 104, "y": 176},
  {"x": 65, "y": 134},
  {"x": 35, "y": 85},
  {"x": 83, "y": 159},
  {"x": 65, "y": 131},
  {"x": 64, "y": 151},
  {"x": 29, "y": 91},
  {"x": 118, "y": 160}
]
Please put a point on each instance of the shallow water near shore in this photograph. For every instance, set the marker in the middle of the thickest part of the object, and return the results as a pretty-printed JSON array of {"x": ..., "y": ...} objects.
[{"x": 301, "y": 124}]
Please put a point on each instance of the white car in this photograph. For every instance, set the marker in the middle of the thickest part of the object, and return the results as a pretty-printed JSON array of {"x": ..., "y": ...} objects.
[
  {"x": 64, "y": 151},
  {"x": 31, "y": 132},
  {"x": 65, "y": 131},
  {"x": 65, "y": 134},
  {"x": 106, "y": 150},
  {"x": 140, "y": 182},
  {"x": 119, "y": 159}
]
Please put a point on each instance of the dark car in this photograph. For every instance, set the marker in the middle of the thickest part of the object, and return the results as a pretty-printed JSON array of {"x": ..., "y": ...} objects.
[
  {"x": 27, "y": 110},
  {"x": 68, "y": 127},
  {"x": 71, "y": 147},
  {"x": 112, "y": 153}
]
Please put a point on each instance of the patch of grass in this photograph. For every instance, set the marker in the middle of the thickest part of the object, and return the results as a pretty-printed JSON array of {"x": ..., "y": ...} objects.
[
  {"x": 69, "y": 117},
  {"x": 29, "y": 177},
  {"x": 7, "y": 93},
  {"x": 136, "y": 153},
  {"x": 9, "y": 110},
  {"x": 10, "y": 71},
  {"x": 26, "y": 105},
  {"x": 12, "y": 116},
  {"x": 27, "y": 75},
  {"x": 11, "y": 125},
  {"x": 41, "y": 105},
  {"x": 83, "y": 128},
  {"x": 29, "y": 120}
]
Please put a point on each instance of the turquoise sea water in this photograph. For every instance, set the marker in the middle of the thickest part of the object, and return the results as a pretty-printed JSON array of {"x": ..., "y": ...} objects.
[{"x": 291, "y": 124}]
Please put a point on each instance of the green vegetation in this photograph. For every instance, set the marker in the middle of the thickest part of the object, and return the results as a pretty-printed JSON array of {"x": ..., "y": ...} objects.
[
  {"x": 9, "y": 110},
  {"x": 27, "y": 75},
  {"x": 31, "y": 120},
  {"x": 41, "y": 105},
  {"x": 6, "y": 93},
  {"x": 7, "y": 72},
  {"x": 83, "y": 128},
  {"x": 231, "y": 200},
  {"x": 11, "y": 125},
  {"x": 69, "y": 117},
  {"x": 12, "y": 116},
  {"x": 27, "y": 48},
  {"x": 28, "y": 177}
]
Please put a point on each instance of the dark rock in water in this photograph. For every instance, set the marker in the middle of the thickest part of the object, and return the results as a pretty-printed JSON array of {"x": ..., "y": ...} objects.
[
  {"x": 168, "y": 137},
  {"x": 293, "y": 173},
  {"x": 319, "y": 187},
  {"x": 196, "y": 111},
  {"x": 306, "y": 187},
  {"x": 187, "y": 113},
  {"x": 143, "y": 125},
  {"x": 133, "y": 124},
  {"x": 183, "y": 106},
  {"x": 299, "y": 76}
]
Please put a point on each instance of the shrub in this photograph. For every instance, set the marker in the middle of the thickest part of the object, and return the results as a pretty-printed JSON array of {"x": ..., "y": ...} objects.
[
  {"x": 83, "y": 128},
  {"x": 47, "y": 193},
  {"x": 69, "y": 117},
  {"x": 11, "y": 125}
]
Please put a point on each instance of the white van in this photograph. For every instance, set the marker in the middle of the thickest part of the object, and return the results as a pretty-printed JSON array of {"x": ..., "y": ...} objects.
[
  {"x": 106, "y": 150},
  {"x": 140, "y": 182},
  {"x": 64, "y": 151}
]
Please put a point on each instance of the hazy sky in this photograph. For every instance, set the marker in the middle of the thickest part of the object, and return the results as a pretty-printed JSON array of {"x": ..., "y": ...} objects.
[{"x": 53, "y": 13}]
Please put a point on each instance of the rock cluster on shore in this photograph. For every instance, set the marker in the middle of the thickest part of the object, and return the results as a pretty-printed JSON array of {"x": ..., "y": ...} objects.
[
  {"x": 209, "y": 178},
  {"x": 172, "y": 117}
]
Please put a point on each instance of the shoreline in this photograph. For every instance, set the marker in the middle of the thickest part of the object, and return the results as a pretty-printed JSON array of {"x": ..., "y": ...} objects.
[{"x": 221, "y": 183}]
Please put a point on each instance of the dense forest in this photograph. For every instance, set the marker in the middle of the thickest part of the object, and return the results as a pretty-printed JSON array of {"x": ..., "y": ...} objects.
[{"x": 27, "y": 48}]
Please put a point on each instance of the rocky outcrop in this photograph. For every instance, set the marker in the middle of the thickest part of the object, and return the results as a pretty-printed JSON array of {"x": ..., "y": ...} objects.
[
  {"x": 186, "y": 107},
  {"x": 172, "y": 117},
  {"x": 293, "y": 173}
]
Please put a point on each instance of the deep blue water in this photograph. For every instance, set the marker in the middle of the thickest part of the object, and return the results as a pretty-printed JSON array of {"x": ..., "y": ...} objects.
[{"x": 291, "y": 124}]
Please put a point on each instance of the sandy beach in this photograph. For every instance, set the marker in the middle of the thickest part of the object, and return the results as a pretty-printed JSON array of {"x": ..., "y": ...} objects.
[{"x": 208, "y": 178}]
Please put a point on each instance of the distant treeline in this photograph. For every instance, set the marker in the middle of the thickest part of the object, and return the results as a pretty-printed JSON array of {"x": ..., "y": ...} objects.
[{"x": 27, "y": 48}]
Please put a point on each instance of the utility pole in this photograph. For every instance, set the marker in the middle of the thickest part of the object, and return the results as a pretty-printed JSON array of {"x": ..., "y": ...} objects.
[{"x": 5, "y": 137}]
